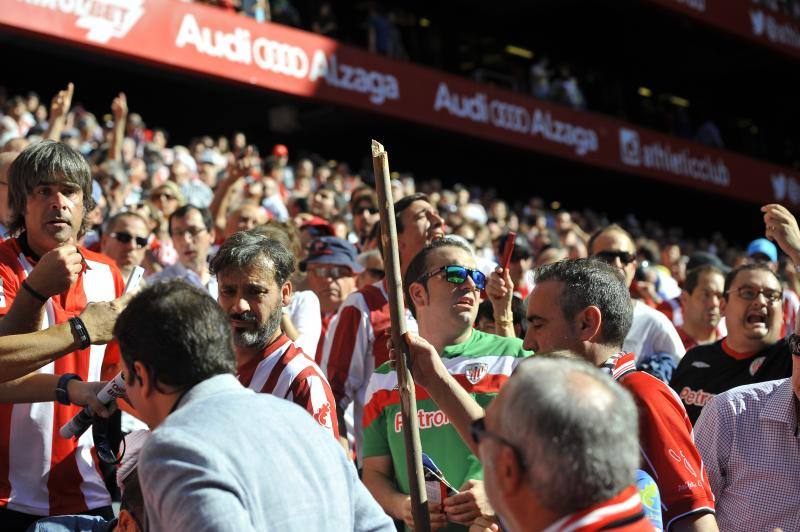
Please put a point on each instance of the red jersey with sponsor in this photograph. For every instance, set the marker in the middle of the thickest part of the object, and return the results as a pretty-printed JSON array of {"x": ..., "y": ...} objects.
[
  {"x": 623, "y": 512},
  {"x": 285, "y": 371},
  {"x": 666, "y": 441},
  {"x": 42, "y": 473}
]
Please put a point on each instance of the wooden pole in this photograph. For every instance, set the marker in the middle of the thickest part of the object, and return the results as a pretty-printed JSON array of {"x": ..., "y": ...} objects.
[{"x": 405, "y": 382}]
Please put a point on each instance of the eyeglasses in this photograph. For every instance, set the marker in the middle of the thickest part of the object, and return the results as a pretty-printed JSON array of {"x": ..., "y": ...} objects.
[
  {"x": 191, "y": 231},
  {"x": 125, "y": 238},
  {"x": 161, "y": 195},
  {"x": 477, "y": 431},
  {"x": 334, "y": 272},
  {"x": 358, "y": 211},
  {"x": 749, "y": 293},
  {"x": 624, "y": 257},
  {"x": 457, "y": 275}
]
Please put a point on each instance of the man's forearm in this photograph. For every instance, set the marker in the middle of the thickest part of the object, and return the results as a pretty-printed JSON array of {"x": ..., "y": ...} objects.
[
  {"x": 23, "y": 353},
  {"x": 24, "y": 316},
  {"x": 696, "y": 523},
  {"x": 33, "y": 388},
  {"x": 384, "y": 491}
]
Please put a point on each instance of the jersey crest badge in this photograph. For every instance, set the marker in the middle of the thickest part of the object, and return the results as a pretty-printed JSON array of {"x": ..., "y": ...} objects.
[
  {"x": 755, "y": 365},
  {"x": 475, "y": 372}
]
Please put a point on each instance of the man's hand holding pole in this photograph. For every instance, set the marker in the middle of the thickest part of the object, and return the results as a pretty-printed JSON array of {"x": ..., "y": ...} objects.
[{"x": 408, "y": 401}]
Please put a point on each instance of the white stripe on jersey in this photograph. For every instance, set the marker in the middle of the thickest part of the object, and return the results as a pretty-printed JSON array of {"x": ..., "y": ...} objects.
[
  {"x": 496, "y": 365},
  {"x": 30, "y": 451},
  {"x": 290, "y": 372},
  {"x": 98, "y": 282},
  {"x": 265, "y": 367}
]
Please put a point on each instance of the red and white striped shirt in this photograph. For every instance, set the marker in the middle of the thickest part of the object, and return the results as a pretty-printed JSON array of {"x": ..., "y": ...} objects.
[
  {"x": 355, "y": 345},
  {"x": 623, "y": 512},
  {"x": 42, "y": 473},
  {"x": 285, "y": 371}
]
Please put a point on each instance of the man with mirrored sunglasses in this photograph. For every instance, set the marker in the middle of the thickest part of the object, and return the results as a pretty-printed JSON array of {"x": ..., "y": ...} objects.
[
  {"x": 755, "y": 349},
  {"x": 125, "y": 240},
  {"x": 652, "y": 338},
  {"x": 442, "y": 289}
]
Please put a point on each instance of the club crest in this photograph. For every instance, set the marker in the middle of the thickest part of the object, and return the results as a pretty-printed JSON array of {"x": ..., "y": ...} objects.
[{"x": 475, "y": 372}]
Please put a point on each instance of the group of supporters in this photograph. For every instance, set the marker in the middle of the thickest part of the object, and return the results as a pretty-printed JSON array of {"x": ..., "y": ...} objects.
[{"x": 575, "y": 389}]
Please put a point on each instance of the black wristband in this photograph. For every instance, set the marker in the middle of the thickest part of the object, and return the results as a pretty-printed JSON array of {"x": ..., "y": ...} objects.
[
  {"x": 80, "y": 330},
  {"x": 62, "y": 396},
  {"x": 33, "y": 292}
]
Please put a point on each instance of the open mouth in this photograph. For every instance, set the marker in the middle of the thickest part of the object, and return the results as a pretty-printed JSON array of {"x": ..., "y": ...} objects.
[{"x": 756, "y": 319}]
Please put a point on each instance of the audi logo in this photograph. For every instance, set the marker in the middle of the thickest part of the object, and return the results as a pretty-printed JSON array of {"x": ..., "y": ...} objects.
[{"x": 280, "y": 58}]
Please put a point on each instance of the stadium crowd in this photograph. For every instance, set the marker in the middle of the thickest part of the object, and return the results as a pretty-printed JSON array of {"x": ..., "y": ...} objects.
[{"x": 264, "y": 272}]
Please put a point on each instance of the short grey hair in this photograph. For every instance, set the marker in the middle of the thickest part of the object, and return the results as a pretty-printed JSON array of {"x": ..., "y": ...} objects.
[
  {"x": 249, "y": 248},
  {"x": 576, "y": 429}
]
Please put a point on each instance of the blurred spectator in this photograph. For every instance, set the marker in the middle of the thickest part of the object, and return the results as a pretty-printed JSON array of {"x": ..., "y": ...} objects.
[
  {"x": 332, "y": 270},
  {"x": 324, "y": 21},
  {"x": 192, "y": 234}
]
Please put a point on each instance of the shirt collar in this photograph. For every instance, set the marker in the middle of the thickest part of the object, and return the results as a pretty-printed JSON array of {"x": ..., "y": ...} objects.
[{"x": 779, "y": 406}]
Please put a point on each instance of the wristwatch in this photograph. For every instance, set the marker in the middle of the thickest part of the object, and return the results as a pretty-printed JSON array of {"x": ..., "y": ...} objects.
[{"x": 62, "y": 396}]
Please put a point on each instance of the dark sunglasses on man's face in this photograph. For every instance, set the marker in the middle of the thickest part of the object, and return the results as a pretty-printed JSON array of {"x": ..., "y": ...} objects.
[
  {"x": 608, "y": 256},
  {"x": 125, "y": 238},
  {"x": 358, "y": 211},
  {"x": 458, "y": 275}
]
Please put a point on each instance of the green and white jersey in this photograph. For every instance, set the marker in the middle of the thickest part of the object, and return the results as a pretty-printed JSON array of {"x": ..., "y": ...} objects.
[{"x": 481, "y": 364}]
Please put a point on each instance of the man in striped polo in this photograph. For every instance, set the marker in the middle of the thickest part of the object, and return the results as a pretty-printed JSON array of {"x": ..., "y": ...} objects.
[
  {"x": 442, "y": 289},
  {"x": 47, "y": 279},
  {"x": 253, "y": 277}
]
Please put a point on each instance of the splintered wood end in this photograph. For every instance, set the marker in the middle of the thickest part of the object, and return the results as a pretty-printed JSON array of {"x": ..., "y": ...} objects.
[{"x": 377, "y": 148}]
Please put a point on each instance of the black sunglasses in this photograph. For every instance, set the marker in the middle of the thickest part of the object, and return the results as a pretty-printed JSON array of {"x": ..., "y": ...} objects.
[
  {"x": 359, "y": 210},
  {"x": 125, "y": 238},
  {"x": 477, "y": 431},
  {"x": 624, "y": 257},
  {"x": 457, "y": 275}
]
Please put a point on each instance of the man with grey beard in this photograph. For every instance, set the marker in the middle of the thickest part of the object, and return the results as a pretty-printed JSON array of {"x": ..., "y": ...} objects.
[{"x": 253, "y": 277}]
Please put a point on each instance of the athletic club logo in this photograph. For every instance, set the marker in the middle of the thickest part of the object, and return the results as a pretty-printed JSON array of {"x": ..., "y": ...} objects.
[
  {"x": 475, "y": 372},
  {"x": 755, "y": 365}
]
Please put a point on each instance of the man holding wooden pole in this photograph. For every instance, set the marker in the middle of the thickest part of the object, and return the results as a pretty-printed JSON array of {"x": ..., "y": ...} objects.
[{"x": 357, "y": 338}]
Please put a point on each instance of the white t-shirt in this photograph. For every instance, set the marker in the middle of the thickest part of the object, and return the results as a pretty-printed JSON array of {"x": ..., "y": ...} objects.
[
  {"x": 652, "y": 333},
  {"x": 307, "y": 318}
]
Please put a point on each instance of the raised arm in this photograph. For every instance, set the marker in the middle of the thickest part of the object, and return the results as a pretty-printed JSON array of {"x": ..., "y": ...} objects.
[
  {"x": 119, "y": 108},
  {"x": 59, "y": 108}
]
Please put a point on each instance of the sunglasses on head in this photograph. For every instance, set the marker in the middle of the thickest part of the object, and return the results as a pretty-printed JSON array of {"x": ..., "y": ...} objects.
[
  {"x": 125, "y": 238},
  {"x": 624, "y": 257},
  {"x": 457, "y": 275}
]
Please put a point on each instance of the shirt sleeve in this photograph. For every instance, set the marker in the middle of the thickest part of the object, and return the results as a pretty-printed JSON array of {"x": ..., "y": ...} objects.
[
  {"x": 666, "y": 338},
  {"x": 668, "y": 450},
  {"x": 368, "y": 515},
  {"x": 346, "y": 352},
  {"x": 313, "y": 393},
  {"x": 713, "y": 438},
  {"x": 307, "y": 318},
  {"x": 376, "y": 439}
]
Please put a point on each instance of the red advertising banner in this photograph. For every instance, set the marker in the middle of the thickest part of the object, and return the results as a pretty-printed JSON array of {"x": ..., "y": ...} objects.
[
  {"x": 745, "y": 18},
  {"x": 209, "y": 41}
]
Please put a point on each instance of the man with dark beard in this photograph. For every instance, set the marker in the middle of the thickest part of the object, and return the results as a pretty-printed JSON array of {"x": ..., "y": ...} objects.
[{"x": 253, "y": 277}]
